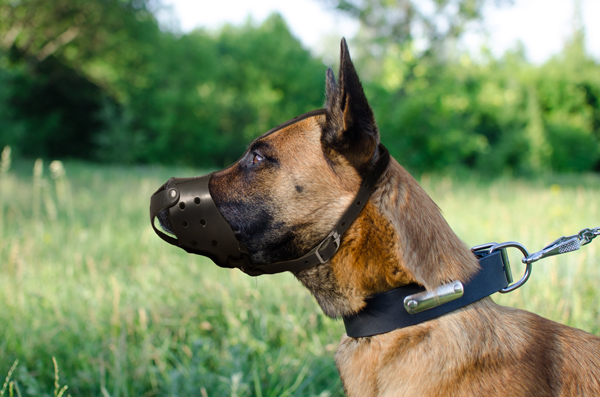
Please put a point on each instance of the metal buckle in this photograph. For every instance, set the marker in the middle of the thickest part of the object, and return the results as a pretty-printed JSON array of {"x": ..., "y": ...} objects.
[
  {"x": 333, "y": 236},
  {"x": 520, "y": 247},
  {"x": 505, "y": 261}
]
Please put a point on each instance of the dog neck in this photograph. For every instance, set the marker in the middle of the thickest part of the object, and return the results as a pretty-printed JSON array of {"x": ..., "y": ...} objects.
[{"x": 399, "y": 238}]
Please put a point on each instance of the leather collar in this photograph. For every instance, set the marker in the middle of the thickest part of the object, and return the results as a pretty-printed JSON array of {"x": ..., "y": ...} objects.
[{"x": 386, "y": 312}]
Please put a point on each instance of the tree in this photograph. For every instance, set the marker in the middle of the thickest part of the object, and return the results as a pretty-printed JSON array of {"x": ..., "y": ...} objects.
[
  {"x": 97, "y": 38},
  {"x": 99, "y": 79},
  {"x": 430, "y": 22},
  {"x": 63, "y": 62}
]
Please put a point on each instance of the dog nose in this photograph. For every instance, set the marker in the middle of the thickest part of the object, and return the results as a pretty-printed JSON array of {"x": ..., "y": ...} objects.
[
  {"x": 186, "y": 211},
  {"x": 163, "y": 216},
  {"x": 164, "y": 221}
]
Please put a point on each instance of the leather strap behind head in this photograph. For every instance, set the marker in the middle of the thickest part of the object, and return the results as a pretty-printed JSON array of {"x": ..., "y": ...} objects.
[
  {"x": 216, "y": 240},
  {"x": 325, "y": 250}
]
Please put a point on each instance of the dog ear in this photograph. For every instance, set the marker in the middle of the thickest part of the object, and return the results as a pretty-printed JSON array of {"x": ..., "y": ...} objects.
[{"x": 350, "y": 128}]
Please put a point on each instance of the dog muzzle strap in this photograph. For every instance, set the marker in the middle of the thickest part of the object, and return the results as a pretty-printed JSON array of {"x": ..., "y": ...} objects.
[{"x": 194, "y": 223}]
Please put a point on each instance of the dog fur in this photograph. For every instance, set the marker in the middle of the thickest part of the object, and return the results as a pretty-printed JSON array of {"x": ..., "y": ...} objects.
[{"x": 288, "y": 191}]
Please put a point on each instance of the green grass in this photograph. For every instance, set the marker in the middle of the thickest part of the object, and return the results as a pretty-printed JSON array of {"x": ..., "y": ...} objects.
[{"x": 84, "y": 281}]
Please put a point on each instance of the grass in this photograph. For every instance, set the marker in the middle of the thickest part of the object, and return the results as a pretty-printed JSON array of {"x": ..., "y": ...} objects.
[{"x": 90, "y": 293}]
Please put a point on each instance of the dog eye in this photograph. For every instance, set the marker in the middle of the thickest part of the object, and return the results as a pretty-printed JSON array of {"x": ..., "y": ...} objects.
[{"x": 257, "y": 158}]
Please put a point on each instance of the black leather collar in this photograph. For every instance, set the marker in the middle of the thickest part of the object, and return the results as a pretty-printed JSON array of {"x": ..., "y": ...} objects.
[{"x": 385, "y": 312}]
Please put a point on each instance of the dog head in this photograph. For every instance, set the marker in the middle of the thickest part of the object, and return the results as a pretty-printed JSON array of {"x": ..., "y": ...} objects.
[
  {"x": 295, "y": 185},
  {"x": 292, "y": 185}
]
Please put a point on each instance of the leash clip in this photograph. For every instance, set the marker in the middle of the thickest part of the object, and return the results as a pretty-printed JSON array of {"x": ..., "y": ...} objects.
[
  {"x": 559, "y": 246},
  {"x": 564, "y": 244}
]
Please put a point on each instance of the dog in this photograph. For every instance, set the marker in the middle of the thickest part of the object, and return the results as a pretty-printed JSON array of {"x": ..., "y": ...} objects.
[{"x": 290, "y": 189}]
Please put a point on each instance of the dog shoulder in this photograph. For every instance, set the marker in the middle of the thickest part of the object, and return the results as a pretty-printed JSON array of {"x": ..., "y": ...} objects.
[{"x": 484, "y": 349}]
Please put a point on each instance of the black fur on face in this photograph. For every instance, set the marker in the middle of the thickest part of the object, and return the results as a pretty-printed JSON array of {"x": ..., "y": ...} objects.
[
  {"x": 245, "y": 198},
  {"x": 266, "y": 239}
]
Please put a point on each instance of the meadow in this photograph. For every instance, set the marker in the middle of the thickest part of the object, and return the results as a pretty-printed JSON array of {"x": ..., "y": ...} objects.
[{"x": 95, "y": 304}]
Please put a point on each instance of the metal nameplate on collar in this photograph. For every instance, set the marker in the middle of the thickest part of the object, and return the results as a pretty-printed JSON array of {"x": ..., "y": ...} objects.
[{"x": 426, "y": 300}]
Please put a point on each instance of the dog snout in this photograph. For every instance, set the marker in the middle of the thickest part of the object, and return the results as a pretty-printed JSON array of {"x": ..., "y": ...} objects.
[{"x": 165, "y": 221}]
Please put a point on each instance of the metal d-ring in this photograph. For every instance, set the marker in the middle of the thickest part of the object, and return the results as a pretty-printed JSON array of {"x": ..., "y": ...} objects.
[{"x": 520, "y": 247}]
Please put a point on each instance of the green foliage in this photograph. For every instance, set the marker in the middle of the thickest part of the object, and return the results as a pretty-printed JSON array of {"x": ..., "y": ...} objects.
[
  {"x": 212, "y": 95},
  {"x": 121, "y": 90},
  {"x": 66, "y": 59},
  {"x": 12, "y": 126},
  {"x": 569, "y": 90},
  {"x": 432, "y": 22},
  {"x": 99, "y": 80},
  {"x": 50, "y": 111},
  {"x": 495, "y": 116}
]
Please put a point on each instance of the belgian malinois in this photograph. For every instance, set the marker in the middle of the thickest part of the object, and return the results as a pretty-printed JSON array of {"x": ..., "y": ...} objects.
[{"x": 287, "y": 193}]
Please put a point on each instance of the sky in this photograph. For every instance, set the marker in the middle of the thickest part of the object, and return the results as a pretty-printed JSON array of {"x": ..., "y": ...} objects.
[{"x": 541, "y": 25}]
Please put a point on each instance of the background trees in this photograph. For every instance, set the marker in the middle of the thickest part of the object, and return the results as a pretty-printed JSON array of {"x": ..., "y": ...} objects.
[{"x": 100, "y": 80}]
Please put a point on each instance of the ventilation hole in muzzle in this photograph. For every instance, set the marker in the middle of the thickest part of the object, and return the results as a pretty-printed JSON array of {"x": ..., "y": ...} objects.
[
  {"x": 214, "y": 243},
  {"x": 197, "y": 201},
  {"x": 182, "y": 206},
  {"x": 184, "y": 224},
  {"x": 357, "y": 203},
  {"x": 203, "y": 222},
  {"x": 343, "y": 223}
]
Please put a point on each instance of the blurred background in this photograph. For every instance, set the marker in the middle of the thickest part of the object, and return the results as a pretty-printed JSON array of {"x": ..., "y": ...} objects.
[
  {"x": 493, "y": 105},
  {"x": 496, "y": 86}
]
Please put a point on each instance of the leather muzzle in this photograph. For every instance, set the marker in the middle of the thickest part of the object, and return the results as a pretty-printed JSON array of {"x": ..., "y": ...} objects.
[
  {"x": 191, "y": 220},
  {"x": 185, "y": 208}
]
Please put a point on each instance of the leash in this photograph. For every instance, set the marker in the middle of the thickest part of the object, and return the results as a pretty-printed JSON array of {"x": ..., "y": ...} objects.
[
  {"x": 559, "y": 246},
  {"x": 413, "y": 304}
]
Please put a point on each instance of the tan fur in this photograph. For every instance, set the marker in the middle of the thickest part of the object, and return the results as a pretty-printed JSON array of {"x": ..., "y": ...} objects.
[
  {"x": 481, "y": 350},
  {"x": 303, "y": 164},
  {"x": 400, "y": 237}
]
